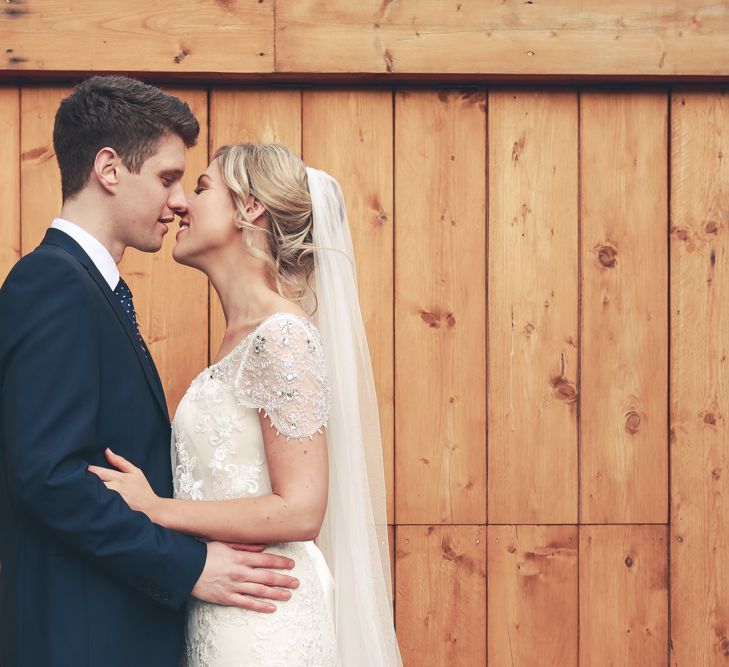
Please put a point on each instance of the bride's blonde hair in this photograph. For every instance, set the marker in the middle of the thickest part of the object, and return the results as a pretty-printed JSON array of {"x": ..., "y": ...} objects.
[{"x": 276, "y": 177}]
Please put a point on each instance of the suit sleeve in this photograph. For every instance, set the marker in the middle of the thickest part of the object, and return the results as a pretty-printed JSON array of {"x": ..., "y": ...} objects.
[{"x": 50, "y": 395}]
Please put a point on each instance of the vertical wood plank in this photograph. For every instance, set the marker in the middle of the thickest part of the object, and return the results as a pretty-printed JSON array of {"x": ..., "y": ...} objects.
[
  {"x": 440, "y": 271},
  {"x": 532, "y": 595},
  {"x": 171, "y": 300},
  {"x": 9, "y": 179},
  {"x": 699, "y": 390},
  {"x": 349, "y": 134},
  {"x": 624, "y": 341},
  {"x": 40, "y": 199},
  {"x": 533, "y": 303},
  {"x": 623, "y": 595},
  {"x": 441, "y": 595},
  {"x": 256, "y": 116}
]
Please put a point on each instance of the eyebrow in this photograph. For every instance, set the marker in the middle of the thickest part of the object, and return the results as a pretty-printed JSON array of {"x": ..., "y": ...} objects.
[{"x": 173, "y": 173}]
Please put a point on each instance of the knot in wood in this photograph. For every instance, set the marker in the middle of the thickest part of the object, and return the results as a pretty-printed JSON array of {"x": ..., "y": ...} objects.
[
  {"x": 564, "y": 388},
  {"x": 607, "y": 256},
  {"x": 632, "y": 422}
]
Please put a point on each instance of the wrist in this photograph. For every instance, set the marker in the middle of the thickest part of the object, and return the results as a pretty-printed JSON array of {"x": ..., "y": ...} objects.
[{"x": 158, "y": 510}]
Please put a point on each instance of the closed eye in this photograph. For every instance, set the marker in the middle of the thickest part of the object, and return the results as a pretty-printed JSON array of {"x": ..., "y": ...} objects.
[{"x": 197, "y": 191}]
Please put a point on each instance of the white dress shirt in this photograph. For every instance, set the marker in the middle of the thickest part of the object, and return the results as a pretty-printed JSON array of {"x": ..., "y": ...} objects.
[{"x": 98, "y": 253}]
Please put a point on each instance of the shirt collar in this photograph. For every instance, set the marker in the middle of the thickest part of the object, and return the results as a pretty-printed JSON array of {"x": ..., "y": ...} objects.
[{"x": 96, "y": 250}]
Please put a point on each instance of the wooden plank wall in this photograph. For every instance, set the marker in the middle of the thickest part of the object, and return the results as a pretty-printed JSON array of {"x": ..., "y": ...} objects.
[
  {"x": 542, "y": 275},
  {"x": 659, "y": 38}
]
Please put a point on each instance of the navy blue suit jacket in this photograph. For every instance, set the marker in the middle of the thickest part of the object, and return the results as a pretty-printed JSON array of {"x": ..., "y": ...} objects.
[{"x": 87, "y": 581}]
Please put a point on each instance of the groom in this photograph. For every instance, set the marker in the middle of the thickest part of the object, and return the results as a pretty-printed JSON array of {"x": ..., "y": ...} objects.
[{"x": 87, "y": 581}]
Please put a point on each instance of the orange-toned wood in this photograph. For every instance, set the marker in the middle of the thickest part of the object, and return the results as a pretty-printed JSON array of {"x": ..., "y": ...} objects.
[
  {"x": 699, "y": 391},
  {"x": 9, "y": 179},
  {"x": 40, "y": 194},
  {"x": 532, "y": 595},
  {"x": 172, "y": 300},
  {"x": 623, "y": 595},
  {"x": 661, "y": 37},
  {"x": 391, "y": 544},
  {"x": 532, "y": 307},
  {"x": 440, "y": 275},
  {"x": 189, "y": 36},
  {"x": 624, "y": 297},
  {"x": 238, "y": 116},
  {"x": 441, "y": 595},
  {"x": 349, "y": 134}
]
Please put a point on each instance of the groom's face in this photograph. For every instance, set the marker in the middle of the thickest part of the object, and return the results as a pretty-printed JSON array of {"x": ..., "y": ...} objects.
[{"x": 149, "y": 200}]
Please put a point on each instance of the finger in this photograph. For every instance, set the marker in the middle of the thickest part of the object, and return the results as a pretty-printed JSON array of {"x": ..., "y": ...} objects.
[
  {"x": 112, "y": 486},
  {"x": 119, "y": 461},
  {"x": 237, "y": 600},
  {"x": 104, "y": 473},
  {"x": 261, "y": 591},
  {"x": 268, "y": 578},
  {"x": 267, "y": 560},
  {"x": 246, "y": 547}
]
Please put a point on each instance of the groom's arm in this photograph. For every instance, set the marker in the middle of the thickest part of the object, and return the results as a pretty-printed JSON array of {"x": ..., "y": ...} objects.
[{"x": 50, "y": 393}]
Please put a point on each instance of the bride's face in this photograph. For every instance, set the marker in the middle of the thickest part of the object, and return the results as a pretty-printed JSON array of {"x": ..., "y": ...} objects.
[{"x": 207, "y": 226}]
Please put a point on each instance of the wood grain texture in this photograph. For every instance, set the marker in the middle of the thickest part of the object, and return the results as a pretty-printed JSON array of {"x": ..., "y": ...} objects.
[
  {"x": 532, "y": 595},
  {"x": 189, "y": 36},
  {"x": 441, "y": 595},
  {"x": 171, "y": 300},
  {"x": 9, "y": 179},
  {"x": 623, "y": 595},
  {"x": 503, "y": 37},
  {"x": 40, "y": 196},
  {"x": 257, "y": 116},
  {"x": 624, "y": 339},
  {"x": 349, "y": 134},
  {"x": 440, "y": 274},
  {"x": 699, "y": 390},
  {"x": 533, "y": 305}
]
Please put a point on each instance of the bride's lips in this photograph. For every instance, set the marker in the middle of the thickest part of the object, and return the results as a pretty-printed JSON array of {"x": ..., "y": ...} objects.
[{"x": 184, "y": 224}]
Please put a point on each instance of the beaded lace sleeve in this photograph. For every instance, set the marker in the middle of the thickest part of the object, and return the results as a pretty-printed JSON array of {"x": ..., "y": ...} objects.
[{"x": 283, "y": 374}]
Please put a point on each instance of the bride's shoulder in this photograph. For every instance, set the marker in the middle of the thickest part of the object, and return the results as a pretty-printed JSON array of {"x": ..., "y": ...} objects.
[{"x": 286, "y": 329}]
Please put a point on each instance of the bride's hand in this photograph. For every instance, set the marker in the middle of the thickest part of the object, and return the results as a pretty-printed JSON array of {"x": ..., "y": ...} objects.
[{"x": 130, "y": 483}]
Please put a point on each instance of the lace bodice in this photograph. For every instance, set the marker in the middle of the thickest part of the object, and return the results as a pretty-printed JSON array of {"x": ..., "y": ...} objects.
[{"x": 218, "y": 453}]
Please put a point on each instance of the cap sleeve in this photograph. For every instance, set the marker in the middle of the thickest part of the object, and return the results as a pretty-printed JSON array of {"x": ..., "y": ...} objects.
[{"x": 283, "y": 374}]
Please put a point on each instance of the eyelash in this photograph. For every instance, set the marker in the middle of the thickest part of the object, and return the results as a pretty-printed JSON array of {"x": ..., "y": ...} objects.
[{"x": 197, "y": 191}]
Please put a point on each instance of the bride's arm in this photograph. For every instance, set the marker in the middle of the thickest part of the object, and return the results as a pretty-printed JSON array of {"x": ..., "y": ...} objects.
[{"x": 294, "y": 512}]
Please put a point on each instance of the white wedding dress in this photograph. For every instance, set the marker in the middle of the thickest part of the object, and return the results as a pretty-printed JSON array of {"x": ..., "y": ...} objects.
[{"x": 218, "y": 453}]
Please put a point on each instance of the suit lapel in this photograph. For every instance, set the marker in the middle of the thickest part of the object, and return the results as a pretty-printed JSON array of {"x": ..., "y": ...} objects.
[{"x": 62, "y": 240}]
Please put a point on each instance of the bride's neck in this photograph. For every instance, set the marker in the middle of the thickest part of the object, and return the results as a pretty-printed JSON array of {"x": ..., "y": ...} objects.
[{"x": 244, "y": 291}]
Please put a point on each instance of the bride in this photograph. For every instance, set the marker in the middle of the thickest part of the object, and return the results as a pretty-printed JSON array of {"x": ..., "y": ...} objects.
[{"x": 280, "y": 436}]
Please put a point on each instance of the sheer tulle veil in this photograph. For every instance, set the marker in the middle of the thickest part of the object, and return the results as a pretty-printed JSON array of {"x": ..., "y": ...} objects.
[{"x": 354, "y": 537}]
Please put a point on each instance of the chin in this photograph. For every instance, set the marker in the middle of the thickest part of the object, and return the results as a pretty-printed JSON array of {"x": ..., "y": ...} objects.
[
  {"x": 179, "y": 256},
  {"x": 152, "y": 245}
]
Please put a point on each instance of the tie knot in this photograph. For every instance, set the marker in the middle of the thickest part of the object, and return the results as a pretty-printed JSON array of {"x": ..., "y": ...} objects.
[{"x": 122, "y": 289}]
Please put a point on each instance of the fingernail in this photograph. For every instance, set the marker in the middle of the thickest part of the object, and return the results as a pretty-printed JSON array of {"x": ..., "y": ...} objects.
[
  {"x": 296, "y": 583},
  {"x": 287, "y": 594}
]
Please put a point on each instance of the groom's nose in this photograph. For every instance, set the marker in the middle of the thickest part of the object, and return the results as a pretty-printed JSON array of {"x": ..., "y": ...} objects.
[{"x": 177, "y": 201}]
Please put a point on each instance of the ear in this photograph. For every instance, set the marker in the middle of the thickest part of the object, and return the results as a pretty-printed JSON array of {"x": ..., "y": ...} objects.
[
  {"x": 255, "y": 212},
  {"x": 106, "y": 169}
]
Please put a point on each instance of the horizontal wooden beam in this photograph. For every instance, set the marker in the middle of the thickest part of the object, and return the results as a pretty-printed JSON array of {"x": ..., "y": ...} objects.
[
  {"x": 518, "y": 37},
  {"x": 389, "y": 39},
  {"x": 137, "y": 35}
]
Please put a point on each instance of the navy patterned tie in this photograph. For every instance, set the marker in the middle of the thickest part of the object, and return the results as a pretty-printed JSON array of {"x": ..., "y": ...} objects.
[{"x": 124, "y": 294}]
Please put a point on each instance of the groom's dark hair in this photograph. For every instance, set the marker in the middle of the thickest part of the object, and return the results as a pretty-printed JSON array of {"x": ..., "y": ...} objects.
[{"x": 122, "y": 113}]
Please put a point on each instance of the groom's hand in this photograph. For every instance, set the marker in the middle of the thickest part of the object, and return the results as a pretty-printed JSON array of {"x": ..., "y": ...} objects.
[{"x": 236, "y": 578}]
